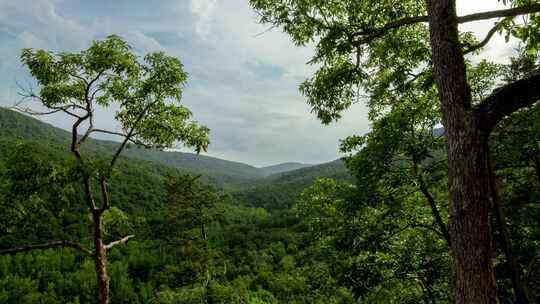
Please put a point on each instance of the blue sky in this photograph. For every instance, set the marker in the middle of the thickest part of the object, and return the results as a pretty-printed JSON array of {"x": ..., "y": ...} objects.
[{"x": 243, "y": 84}]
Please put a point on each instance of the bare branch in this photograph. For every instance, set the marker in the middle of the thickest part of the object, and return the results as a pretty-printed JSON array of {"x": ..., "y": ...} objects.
[
  {"x": 49, "y": 245},
  {"x": 104, "y": 195},
  {"x": 266, "y": 31},
  {"x": 108, "y": 132},
  {"x": 53, "y": 110},
  {"x": 486, "y": 40},
  {"x": 121, "y": 241},
  {"x": 139, "y": 143},
  {"x": 435, "y": 212},
  {"x": 432, "y": 205},
  {"x": 88, "y": 193},
  {"x": 34, "y": 113},
  {"x": 91, "y": 83}
]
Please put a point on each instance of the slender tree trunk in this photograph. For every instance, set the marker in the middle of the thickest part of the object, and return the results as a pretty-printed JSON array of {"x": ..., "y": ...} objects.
[
  {"x": 468, "y": 174},
  {"x": 100, "y": 260},
  {"x": 520, "y": 290}
]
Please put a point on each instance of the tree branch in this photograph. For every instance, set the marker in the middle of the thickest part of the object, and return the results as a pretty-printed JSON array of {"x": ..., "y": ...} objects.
[
  {"x": 49, "y": 245},
  {"x": 105, "y": 195},
  {"x": 511, "y": 12},
  {"x": 53, "y": 110},
  {"x": 130, "y": 133},
  {"x": 435, "y": 212},
  {"x": 486, "y": 40},
  {"x": 119, "y": 242},
  {"x": 508, "y": 99},
  {"x": 432, "y": 204},
  {"x": 373, "y": 33},
  {"x": 437, "y": 232}
]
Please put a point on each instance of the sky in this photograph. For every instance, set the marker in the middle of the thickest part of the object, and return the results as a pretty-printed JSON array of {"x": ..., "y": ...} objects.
[{"x": 243, "y": 79}]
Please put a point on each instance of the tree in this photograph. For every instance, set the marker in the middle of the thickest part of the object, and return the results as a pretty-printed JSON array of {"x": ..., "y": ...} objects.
[
  {"x": 191, "y": 208},
  {"x": 375, "y": 246},
  {"x": 145, "y": 94},
  {"x": 383, "y": 45}
]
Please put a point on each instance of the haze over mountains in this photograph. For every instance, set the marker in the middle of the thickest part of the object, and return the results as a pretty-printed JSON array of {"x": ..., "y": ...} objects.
[
  {"x": 284, "y": 167},
  {"x": 223, "y": 172}
]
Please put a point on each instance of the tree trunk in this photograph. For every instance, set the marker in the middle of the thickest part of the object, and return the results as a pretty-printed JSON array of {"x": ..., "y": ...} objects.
[
  {"x": 520, "y": 290},
  {"x": 469, "y": 224},
  {"x": 100, "y": 260},
  {"x": 468, "y": 174}
]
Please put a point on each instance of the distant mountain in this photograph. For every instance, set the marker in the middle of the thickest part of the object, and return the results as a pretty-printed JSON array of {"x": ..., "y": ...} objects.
[
  {"x": 272, "y": 187},
  {"x": 240, "y": 176},
  {"x": 15, "y": 125},
  {"x": 281, "y": 190},
  {"x": 284, "y": 167}
]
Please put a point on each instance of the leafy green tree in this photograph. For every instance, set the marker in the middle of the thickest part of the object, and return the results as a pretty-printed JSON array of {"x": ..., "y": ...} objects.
[
  {"x": 191, "y": 208},
  {"x": 372, "y": 246},
  {"x": 145, "y": 94},
  {"x": 380, "y": 46}
]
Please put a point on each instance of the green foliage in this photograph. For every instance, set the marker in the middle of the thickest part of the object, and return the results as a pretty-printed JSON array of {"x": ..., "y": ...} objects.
[
  {"x": 280, "y": 191},
  {"x": 293, "y": 237},
  {"x": 216, "y": 171},
  {"x": 109, "y": 73}
]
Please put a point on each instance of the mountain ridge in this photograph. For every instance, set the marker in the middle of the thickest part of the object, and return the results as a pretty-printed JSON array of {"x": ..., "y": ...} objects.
[
  {"x": 284, "y": 167},
  {"x": 230, "y": 173}
]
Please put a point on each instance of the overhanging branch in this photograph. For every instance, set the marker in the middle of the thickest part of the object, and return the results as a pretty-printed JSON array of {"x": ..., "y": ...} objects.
[
  {"x": 367, "y": 35},
  {"x": 508, "y": 99}
]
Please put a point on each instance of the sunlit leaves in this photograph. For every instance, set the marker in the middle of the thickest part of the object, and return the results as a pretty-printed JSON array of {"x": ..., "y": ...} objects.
[{"x": 115, "y": 222}]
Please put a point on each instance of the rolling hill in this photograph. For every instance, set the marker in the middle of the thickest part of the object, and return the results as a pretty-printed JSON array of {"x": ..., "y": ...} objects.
[
  {"x": 280, "y": 191},
  {"x": 284, "y": 167},
  {"x": 224, "y": 173},
  {"x": 15, "y": 125}
]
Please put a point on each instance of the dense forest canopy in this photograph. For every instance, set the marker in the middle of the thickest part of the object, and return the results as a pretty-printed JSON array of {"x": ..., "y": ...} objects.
[{"x": 437, "y": 203}]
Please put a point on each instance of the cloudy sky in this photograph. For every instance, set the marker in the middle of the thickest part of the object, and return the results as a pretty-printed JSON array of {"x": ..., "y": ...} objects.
[{"x": 243, "y": 84}]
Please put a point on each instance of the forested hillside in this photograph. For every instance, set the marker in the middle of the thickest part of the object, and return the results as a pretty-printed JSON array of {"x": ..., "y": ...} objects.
[
  {"x": 437, "y": 201},
  {"x": 253, "y": 241},
  {"x": 275, "y": 240},
  {"x": 279, "y": 168},
  {"x": 281, "y": 190},
  {"x": 224, "y": 173}
]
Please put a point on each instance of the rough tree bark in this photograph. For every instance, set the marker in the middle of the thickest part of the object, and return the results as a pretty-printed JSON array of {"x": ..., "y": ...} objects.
[
  {"x": 100, "y": 260},
  {"x": 468, "y": 174}
]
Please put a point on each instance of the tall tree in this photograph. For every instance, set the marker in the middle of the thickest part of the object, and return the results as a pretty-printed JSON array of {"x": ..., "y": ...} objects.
[
  {"x": 381, "y": 45},
  {"x": 145, "y": 94}
]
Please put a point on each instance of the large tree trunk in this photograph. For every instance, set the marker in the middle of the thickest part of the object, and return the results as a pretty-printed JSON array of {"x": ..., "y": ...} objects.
[
  {"x": 100, "y": 259},
  {"x": 470, "y": 204},
  {"x": 468, "y": 174}
]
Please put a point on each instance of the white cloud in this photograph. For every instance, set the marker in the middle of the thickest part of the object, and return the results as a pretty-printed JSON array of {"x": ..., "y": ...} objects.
[
  {"x": 140, "y": 41},
  {"x": 242, "y": 84},
  {"x": 203, "y": 11}
]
